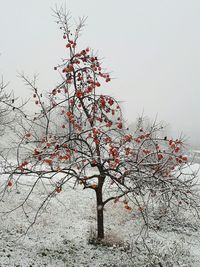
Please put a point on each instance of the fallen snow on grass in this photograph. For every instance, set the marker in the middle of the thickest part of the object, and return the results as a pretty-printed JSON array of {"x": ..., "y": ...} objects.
[{"x": 61, "y": 234}]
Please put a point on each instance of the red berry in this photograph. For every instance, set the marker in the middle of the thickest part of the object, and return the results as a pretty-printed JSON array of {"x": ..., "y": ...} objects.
[
  {"x": 119, "y": 125},
  {"x": 98, "y": 84},
  {"x": 28, "y": 135},
  {"x": 58, "y": 189},
  {"x": 10, "y": 183},
  {"x": 79, "y": 93}
]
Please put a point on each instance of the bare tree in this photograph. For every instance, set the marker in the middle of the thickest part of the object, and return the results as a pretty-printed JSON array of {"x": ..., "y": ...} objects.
[
  {"x": 6, "y": 106},
  {"x": 94, "y": 147}
]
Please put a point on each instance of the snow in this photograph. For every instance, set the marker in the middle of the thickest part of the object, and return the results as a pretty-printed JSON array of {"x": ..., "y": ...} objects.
[
  {"x": 61, "y": 234},
  {"x": 58, "y": 238}
]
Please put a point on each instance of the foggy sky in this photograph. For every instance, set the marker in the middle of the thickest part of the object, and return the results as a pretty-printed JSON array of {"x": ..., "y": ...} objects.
[{"x": 151, "y": 47}]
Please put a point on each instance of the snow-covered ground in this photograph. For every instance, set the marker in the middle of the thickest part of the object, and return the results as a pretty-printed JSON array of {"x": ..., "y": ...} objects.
[{"x": 60, "y": 235}]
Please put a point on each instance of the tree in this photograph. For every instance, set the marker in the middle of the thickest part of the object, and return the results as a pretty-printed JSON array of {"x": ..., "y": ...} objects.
[
  {"x": 6, "y": 101},
  {"x": 78, "y": 135}
]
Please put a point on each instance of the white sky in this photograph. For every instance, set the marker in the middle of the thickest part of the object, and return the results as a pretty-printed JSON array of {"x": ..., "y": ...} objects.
[{"x": 152, "y": 48}]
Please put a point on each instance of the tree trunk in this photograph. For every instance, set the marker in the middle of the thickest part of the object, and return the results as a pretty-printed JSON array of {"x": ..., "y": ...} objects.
[{"x": 100, "y": 223}]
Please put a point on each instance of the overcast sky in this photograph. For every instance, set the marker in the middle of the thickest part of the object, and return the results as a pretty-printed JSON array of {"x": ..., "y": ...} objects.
[{"x": 152, "y": 48}]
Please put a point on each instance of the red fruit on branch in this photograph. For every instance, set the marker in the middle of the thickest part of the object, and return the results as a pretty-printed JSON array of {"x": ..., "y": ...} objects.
[
  {"x": 177, "y": 149},
  {"x": 68, "y": 113},
  {"x": 127, "y": 207},
  {"x": 79, "y": 93},
  {"x": 98, "y": 84},
  {"x": 119, "y": 125},
  {"x": 116, "y": 200},
  {"x": 160, "y": 156},
  {"x": 10, "y": 183},
  {"x": 173, "y": 145},
  {"x": 94, "y": 186},
  {"x": 48, "y": 161},
  {"x": 58, "y": 189},
  {"x": 28, "y": 135}
]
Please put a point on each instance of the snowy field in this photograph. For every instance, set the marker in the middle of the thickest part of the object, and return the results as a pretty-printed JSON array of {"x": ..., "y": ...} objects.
[{"x": 60, "y": 236}]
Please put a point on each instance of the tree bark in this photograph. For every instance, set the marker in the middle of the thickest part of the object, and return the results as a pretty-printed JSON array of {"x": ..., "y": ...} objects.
[{"x": 100, "y": 219}]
